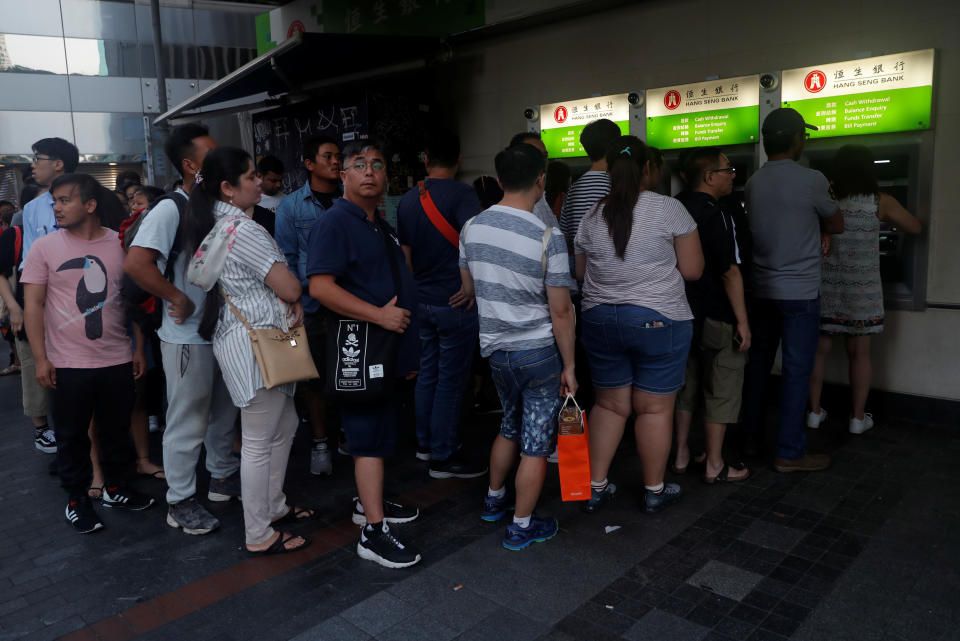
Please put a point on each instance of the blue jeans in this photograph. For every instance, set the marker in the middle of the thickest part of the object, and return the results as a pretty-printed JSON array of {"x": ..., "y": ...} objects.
[
  {"x": 795, "y": 326},
  {"x": 447, "y": 338},
  {"x": 528, "y": 383}
]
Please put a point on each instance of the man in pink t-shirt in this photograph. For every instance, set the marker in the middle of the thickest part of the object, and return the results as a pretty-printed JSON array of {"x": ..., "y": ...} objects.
[{"x": 75, "y": 323}]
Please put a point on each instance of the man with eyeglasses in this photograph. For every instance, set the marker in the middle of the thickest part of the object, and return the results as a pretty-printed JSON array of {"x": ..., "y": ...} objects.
[
  {"x": 52, "y": 158},
  {"x": 791, "y": 217},
  {"x": 296, "y": 217},
  {"x": 721, "y": 331},
  {"x": 355, "y": 265}
]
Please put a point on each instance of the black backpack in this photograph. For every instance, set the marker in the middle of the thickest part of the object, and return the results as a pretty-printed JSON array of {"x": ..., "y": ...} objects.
[{"x": 135, "y": 296}]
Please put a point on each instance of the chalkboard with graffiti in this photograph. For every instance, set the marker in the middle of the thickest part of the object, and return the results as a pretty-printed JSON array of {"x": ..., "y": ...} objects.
[{"x": 282, "y": 132}]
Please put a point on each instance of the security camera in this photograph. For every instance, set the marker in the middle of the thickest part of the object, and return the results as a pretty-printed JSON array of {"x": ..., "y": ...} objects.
[
  {"x": 531, "y": 113},
  {"x": 635, "y": 98},
  {"x": 769, "y": 81}
]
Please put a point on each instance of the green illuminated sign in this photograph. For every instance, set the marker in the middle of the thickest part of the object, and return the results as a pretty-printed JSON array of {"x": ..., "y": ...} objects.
[
  {"x": 718, "y": 127},
  {"x": 871, "y": 95},
  {"x": 565, "y": 142}
]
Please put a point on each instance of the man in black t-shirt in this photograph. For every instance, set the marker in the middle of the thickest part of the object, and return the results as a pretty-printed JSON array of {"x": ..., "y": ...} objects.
[{"x": 718, "y": 354}]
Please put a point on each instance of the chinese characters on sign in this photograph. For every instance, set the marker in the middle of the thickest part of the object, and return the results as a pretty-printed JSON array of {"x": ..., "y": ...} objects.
[
  {"x": 717, "y": 112},
  {"x": 872, "y": 95}
]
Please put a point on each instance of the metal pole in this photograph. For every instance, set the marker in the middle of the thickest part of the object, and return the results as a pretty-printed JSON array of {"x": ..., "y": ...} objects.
[{"x": 158, "y": 55}]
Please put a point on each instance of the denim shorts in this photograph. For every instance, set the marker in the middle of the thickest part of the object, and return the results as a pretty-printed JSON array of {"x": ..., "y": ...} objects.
[
  {"x": 528, "y": 382},
  {"x": 628, "y": 344}
]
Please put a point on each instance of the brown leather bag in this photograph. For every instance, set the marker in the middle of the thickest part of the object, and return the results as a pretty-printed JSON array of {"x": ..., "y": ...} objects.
[{"x": 283, "y": 357}]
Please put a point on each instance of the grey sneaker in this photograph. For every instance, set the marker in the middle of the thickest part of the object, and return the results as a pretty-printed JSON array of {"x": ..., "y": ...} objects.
[
  {"x": 221, "y": 490},
  {"x": 45, "y": 440},
  {"x": 321, "y": 462},
  {"x": 654, "y": 502},
  {"x": 192, "y": 517}
]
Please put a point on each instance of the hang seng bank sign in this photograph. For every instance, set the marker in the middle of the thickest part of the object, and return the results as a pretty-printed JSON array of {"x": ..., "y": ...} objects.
[
  {"x": 715, "y": 112},
  {"x": 562, "y": 122},
  {"x": 871, "y": 95}
]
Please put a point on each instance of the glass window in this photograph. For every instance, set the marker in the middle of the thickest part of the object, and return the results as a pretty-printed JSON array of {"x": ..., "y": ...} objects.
[
  {"x": 31, "y": 54},
  {"x": 86, "y": 57},
  {"x": 40, "y": 17},
  {"x": 97, "y": 19}
]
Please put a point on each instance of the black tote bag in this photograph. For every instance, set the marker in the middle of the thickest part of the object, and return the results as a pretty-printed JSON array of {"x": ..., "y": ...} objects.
[{"x": 362, "y": 356}]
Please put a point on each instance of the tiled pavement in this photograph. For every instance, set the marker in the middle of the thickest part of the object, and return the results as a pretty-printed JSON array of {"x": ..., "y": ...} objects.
[{"x": 868, "y": 550}]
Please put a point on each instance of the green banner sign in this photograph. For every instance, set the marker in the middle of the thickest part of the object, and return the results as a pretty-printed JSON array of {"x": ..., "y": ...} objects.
[
  {"x": 564, "y": 142},
  {"x": 704, "y": 128},
  {"x": 872, "y": 112}
]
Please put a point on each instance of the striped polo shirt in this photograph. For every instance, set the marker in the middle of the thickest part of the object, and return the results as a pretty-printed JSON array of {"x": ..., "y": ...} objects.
[
  {"x": 503, "y": 248},
  {"x": 589, "y": 189}
]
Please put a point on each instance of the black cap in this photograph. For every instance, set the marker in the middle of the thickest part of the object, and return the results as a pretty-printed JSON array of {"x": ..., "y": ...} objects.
[{"x": 784, "y": 122}]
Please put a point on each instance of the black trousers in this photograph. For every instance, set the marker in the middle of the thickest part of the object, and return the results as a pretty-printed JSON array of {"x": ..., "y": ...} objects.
[{"x": 104, "y": 394}]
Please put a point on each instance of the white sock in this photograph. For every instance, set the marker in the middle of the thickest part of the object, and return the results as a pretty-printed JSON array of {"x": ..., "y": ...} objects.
[
  {"x": 359, "y": 507},
  {"x": 599, "y": 486},
  {"x": 522, "y": 521},
  {"x": 497, "y": 494},
  {"x": 656, "y": 489}
]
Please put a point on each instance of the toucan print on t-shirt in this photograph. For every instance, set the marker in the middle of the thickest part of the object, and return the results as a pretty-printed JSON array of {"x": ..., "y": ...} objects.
[{"x": 91, "y": 292}]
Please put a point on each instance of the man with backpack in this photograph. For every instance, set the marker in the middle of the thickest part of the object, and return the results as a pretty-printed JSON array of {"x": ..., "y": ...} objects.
[
  {"x": 199, "y": 410},
  {"x": 429, "y": 219}
]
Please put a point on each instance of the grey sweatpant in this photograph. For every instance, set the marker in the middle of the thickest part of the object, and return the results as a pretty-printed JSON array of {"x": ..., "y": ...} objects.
[{"x": 199, "y": 412}]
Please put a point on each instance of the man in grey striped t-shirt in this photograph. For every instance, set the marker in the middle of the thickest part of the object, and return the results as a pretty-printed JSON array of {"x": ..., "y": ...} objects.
[{"x": 516, "y": 266}]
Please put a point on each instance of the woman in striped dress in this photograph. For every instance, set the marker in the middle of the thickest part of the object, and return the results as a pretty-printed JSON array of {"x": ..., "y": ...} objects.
[
  {"x": 255, "y": 277},
  {"x": 851, "y": 293}
]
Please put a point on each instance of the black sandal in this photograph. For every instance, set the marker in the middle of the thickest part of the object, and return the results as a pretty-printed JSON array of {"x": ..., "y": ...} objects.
[
  {"x": 724, "y": 475},
  {"x": 296, "y": 515},
  {"x": 280, "y": 545}
]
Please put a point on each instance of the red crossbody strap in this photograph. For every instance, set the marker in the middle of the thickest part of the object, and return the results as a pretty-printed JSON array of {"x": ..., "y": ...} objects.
[{"x": 437, "y": 218}]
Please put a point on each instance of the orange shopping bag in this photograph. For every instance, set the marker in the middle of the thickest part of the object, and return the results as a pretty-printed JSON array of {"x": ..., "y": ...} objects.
[{"x": 573, "y": 450}]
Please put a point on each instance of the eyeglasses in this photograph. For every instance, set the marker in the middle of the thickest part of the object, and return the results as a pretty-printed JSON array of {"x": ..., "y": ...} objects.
[
  {"x": 361, "y": 166},
  {"x": 731, "y": 170},
  {"x": 39, "y": 158}
]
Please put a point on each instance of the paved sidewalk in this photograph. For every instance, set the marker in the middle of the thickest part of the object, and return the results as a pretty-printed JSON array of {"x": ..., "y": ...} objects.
[{"x": 868, "y": 550}]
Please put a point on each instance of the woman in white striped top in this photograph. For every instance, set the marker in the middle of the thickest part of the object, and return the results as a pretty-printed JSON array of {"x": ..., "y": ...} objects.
[{"x": 258, "y": 282}]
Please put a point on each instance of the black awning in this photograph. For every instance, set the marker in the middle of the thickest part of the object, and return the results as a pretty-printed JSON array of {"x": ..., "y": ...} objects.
[{"x": 309, "y": 61}]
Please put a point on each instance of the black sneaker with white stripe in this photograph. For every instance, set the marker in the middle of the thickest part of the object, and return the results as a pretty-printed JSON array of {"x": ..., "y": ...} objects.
[
  {"x": 382, "y": 546},
  {"x": 124, "y": 498},
  {"x": 392, "y": 513},
  {"x": 81, "y": 515},
  {"x": 45, "y": 440}
]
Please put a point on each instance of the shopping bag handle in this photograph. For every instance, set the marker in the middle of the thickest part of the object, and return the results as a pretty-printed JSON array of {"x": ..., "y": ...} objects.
[{"x": 567, "y": 401}]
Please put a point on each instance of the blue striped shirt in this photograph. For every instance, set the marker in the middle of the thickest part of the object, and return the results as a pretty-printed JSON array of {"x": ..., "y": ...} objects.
[{"x": 503, "y": 248}]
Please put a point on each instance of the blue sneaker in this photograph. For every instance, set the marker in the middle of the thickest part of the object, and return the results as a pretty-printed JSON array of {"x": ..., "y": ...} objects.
[
  {"x": 653, "y": 502},
  {"x": 495, "y": 508},
  {"x": 598, "y": 499},
  {"x": 540, "y": 530}
]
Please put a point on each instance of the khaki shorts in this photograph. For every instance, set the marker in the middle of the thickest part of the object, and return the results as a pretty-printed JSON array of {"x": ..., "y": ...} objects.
[{"x": 714, "y": 374}]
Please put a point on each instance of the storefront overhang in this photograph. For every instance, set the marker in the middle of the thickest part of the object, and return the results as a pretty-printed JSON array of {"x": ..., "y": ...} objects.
[{"x": 305, "y": 63}]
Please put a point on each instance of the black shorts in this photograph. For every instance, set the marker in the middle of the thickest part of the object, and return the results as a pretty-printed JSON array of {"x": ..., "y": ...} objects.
[
  {"x": 371, "y": 431},
  {"x": 315, "y": 325}
]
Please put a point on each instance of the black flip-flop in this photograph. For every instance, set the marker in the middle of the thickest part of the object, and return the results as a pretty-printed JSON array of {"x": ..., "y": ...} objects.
[
  {"x": 293, "y": 515},
  {"x": 724, "y": 475},
  {"x": 279, "y": 546}
]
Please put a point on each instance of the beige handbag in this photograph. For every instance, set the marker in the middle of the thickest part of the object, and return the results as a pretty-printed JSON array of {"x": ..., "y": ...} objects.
[{"x": 283, "y": 357}]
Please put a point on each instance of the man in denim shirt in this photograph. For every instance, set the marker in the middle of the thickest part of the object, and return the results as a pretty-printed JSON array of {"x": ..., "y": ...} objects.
[{"x": 296, "y": 217}]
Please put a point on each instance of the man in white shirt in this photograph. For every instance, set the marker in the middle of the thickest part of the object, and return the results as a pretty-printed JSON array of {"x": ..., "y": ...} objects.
[{"x": 199, "y": 410}]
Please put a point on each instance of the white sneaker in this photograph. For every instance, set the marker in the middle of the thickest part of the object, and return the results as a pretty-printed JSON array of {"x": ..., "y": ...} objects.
[
  {"x": 815, "y": 420},
  {"x": 859, "y": 426}
]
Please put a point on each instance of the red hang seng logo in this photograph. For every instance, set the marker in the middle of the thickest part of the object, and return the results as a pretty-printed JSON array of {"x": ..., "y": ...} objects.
[
  {"x": 815, "y": 81},
  {"x": 560, "y": 114},
  {"x": 672, "y": 100}
]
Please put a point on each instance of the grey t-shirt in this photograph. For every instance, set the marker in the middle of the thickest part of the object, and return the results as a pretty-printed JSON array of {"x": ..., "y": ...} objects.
[
  {"x": 784, "y": 204},
  {"x": 158, "y": 231}
]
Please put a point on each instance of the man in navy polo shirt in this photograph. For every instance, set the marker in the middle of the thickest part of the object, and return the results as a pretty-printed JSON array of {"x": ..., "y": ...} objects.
[
  {"x": 351, "y": 275},
  {"x": 448, "y": 318}
]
